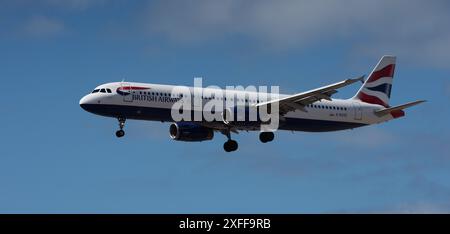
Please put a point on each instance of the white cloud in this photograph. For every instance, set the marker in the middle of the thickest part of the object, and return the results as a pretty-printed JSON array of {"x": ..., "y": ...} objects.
[
  {"x": 419, "y": 208},
  {"x": 75, "y": 4},
  {"x": 365, "y": 137},
  {"x": 414, "y": 29},
  {"x": 67, "y": 4},
  {"x": 41, "y": 26}
]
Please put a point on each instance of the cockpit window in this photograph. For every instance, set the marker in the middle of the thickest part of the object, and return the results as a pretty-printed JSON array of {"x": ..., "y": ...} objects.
[
  {"x": 102, "y": 91},
  {"x": 95, "y": 90},
  {"x": 108, "y": 90}
]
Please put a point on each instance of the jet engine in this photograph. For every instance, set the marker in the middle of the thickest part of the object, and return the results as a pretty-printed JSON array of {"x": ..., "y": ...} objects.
[{"x": 185, "y": 131}]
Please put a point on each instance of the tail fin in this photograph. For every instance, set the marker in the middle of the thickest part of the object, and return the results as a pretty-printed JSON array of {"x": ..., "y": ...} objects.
[{"x": 377, "y": 88}]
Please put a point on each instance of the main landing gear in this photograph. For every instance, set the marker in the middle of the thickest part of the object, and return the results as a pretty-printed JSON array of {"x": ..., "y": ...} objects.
[
  {"x": 232, "y": 145},
  {"x": 229, "y": 145},
  {"x": 265, "y": 137},
  {"x": 121, "y": 132}
]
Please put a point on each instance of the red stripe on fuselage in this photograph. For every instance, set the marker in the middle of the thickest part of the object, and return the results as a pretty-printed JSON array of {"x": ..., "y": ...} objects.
[
  {"x": 371, "y": 99},
  {"x": 387, "y": 71},
  {"x": 133, "y": 88}
]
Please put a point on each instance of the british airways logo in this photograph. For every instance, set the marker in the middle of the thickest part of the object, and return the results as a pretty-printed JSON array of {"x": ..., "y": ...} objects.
[
  {"x": 377, "y": 89},
  {"x": 127, "y": 90}
]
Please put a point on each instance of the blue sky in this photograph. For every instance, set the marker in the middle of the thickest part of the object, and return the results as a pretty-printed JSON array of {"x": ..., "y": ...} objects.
[{"x": 56, "y": 158}]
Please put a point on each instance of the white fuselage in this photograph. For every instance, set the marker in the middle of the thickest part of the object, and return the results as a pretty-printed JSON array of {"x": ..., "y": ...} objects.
[{"x": 154, "y": 102}]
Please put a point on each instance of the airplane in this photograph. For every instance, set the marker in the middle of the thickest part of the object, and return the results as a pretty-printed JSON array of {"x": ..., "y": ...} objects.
[{"x": 310, "y": 111}]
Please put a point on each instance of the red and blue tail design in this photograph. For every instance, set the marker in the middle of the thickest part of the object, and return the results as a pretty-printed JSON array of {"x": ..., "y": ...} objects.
[{"x": 377, "y": 88}]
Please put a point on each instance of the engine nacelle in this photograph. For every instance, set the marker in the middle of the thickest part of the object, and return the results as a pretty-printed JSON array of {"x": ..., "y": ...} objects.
[{"x": 185, "y": 131}]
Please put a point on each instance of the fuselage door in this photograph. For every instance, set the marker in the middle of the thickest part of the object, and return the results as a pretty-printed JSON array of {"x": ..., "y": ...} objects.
[
  {"x": 127, "y": 92},
  {"x": 358, "y": 110}
]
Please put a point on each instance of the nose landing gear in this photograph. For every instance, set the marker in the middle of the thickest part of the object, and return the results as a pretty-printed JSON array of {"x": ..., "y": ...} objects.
[{"x": 121, "y": 132}]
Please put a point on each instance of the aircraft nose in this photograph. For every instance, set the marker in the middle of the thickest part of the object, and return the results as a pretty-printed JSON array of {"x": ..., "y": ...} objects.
[{"x": 84, "y": 102}]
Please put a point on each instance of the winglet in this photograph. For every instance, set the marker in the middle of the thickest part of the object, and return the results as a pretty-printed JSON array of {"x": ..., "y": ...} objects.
[
  {"x": 361, "y": 78},
  {"x": 351, "y": 81}
]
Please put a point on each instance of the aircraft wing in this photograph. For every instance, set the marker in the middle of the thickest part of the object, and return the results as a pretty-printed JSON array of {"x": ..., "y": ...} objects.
[{"x": 300, "y": 100}]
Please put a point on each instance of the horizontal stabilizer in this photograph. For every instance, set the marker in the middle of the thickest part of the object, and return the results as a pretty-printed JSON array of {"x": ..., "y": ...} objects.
[{"x": 397, "y": 108}]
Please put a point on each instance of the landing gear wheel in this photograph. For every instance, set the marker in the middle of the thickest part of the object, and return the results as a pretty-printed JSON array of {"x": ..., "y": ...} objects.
[
  {"x": 265, "y": 137},
  {"x": 230, "y": 146},
  {"x": 120, "y": 133}
]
